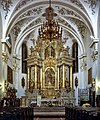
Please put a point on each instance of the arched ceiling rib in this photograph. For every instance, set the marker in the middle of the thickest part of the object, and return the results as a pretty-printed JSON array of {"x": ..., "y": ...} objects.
[
  {"x": 34, "y": 6},
  {"x": 28, "y": 14}
]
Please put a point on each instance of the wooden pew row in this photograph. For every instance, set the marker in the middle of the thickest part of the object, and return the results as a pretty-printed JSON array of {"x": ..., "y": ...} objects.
[
  {"x": 16, "y": 113},
  {"x": 79, "y": 113}
]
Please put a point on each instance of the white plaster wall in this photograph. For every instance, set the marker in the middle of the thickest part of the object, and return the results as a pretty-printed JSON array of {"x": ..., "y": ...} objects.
[
  {"x": 0, "y": 49},
  {"x": 18, "y": 76},
  {"x": 21, "y": 90},
  {"x": 76, "y": 89},
  {"x": 88, "y": 50},
  {"x": 82, "y": 82},
  {"x": 69, "y": 43},
  {"x": 1, "y": 68},
  {"x": 29, "y": 44},
  {"x": 98, "y": 64}
]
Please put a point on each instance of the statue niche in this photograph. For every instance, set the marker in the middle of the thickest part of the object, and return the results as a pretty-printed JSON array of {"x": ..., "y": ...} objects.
[
  {"x": 49, "y": 51},
  {"x": 50, "y": 77}
]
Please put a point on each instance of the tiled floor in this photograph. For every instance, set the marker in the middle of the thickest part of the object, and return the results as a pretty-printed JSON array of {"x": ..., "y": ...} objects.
[{"x": 49, "y": 118}]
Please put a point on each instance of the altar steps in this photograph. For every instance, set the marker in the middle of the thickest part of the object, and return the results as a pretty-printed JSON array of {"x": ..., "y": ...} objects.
[
  {"x": 49, "y": 112},
  {"x": 49, "y": 119}
]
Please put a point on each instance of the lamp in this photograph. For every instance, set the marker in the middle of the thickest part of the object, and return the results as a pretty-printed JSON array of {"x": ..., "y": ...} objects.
[{"x": 50, "y": 30}]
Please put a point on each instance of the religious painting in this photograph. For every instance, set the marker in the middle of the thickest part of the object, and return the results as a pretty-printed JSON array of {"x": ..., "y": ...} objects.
[
  {"x": 9, "y": 75},
  {"x": 49, "y": 77},
  {"x": 90, "y": 76}
]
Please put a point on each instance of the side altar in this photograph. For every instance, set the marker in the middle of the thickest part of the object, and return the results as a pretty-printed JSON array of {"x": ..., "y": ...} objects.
[{"x": 49, "y": 65}]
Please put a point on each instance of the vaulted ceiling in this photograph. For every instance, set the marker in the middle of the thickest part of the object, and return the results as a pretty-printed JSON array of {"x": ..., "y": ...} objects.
[{"x": 22, "y": 18}]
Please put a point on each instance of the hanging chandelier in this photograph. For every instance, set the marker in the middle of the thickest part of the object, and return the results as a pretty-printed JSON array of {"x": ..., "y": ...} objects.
[{"x": 50, "y": 30}]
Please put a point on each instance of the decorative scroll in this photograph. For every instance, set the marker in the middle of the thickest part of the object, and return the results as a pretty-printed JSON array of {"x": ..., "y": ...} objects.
[
  {"x": 9, "y": 75},
  {"x": 92, "y": 4},
  {"x": 6, "y": 5}
]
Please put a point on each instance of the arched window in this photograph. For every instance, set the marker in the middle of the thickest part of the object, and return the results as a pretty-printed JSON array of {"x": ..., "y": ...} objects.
[
  {"x": 75, "y": 55},
  {"x": 24, "y": 56}
]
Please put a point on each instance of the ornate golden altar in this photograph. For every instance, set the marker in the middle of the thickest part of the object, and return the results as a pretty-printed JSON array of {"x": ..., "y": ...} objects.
[
  {"x": 49, "y": 65},
  {"x": 49, "y": 68}
]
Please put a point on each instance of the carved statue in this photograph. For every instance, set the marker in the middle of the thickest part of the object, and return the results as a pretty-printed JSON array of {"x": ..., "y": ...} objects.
[
  {"x": 76, "y": 81},
  {"x": 31, "y": 85}
]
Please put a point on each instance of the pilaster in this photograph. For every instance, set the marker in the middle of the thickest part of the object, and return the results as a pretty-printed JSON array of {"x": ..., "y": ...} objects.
[
  {"x": 63, "y": 76},
  {"x": 71, "y": 84},
  {"x": 94, "y": 48},
  {"x": 35, "y": 76},
  {"x": 83, "y": 63}
]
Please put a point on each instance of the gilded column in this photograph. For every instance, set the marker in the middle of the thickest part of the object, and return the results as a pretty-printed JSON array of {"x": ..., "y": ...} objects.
[
  {"x": 35, "y": 76},
  {"x": 28, "y": 76},
  {"x": 58, "y": 77},
  {"x": 41, "y": 77},
  {"x": 71, "y": 85},
  {"x": 43, "y": 73},
  {"x": 55, "y": 79},
  {"x": 63, "y": 76}
]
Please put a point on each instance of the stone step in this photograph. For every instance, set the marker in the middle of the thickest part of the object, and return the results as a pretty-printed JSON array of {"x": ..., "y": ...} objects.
[
  {"x": 49, "y": 112},
  {"x": 49, "y": 109}
]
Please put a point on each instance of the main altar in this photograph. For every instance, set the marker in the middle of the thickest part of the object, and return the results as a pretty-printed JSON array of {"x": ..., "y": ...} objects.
[{"x": 49, "y": 65}]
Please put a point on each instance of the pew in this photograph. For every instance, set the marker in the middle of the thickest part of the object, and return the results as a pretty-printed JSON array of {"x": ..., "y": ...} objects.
[
  {"x": 16, "y": 113},
  {"x": 80, "y": 113}
]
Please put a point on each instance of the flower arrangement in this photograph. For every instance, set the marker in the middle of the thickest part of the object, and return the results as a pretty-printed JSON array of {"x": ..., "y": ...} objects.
[
  {"x": 50, "y": 104},
  {"x": 86, "y": 105}
]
